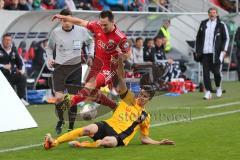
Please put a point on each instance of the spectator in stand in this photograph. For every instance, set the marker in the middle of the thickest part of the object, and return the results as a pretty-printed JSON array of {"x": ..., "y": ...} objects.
[
  {"x": 161, "y": 60},
  {"x": 83, "y": 4},
  {"x": 136, "y": 60},
  {"x": 7, "y": 2},
  {"x": 136, "y": 5},
  {"x": 38, "y": 60},
  {"x": 36, "y": 5},
  {"x": 97, "y": 4},
  {"x": 29, "y": 4},
  {"x": 48, "y": 4},
  {"x": 60, "y": 4},
  {"x": 11, "y": 65},
  {"x": 31, "y": 51},
  {"x": 164, "y": 32},
  {"x": 163, "y": 3},
  {"x": 22, "y": 49},
  {"x": 25, "y": 4},
  {"x": 149, "y": 51},
  {"x": 70, "y": 5},
  {"x": 137, "y": 52},
  {"x": 228, "y": 5},
  {"x": 2, "y": 4},
  {"x": 115, "y": 5},
  {"x": 159, "y": 50},
  {"x": 17, "y": 5}
]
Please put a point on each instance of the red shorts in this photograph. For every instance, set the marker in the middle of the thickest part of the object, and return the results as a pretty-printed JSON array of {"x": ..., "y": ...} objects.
[{"x": 102, "y": 75}]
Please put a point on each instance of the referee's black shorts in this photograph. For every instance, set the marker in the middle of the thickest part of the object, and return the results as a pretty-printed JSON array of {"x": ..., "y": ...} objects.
[
  {"x": 105, "y": 130},
  {"x": 66, "y": 74}
]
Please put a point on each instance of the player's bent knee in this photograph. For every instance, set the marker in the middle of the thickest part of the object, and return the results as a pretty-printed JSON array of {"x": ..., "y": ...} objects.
[
  {"x": 109, "y": 142},
  {"x": 90, "y": 130}
]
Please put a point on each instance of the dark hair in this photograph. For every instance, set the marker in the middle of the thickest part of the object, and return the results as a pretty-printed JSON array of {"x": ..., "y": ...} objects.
[
  {"x": 158, "y": 37},
  {"x": 148, "y": 40},
  {"x": 139, "y": 38},
  {"x": 212, "y": 8},
  {"x": 6, "y": 35},
  {"x": 149, "y": 89},
  {"x": 107, "y": 14},
  {"x": 66, "y": 12}
]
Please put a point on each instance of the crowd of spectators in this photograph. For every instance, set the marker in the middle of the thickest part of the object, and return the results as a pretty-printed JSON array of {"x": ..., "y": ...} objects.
[
  {"x": 228, "y": 5},
  {"x": 114, "y": 5},
  {"x": 149, "y": 55}
]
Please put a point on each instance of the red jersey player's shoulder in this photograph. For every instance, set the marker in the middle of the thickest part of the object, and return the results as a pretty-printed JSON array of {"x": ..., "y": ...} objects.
[
  {"x": 119, "y": 33},
  {"x": 92, "y": 25},
  {"x": 94, "y": 22}
]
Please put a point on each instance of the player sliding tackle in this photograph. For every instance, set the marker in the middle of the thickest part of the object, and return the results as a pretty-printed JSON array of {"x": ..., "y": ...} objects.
[
  {"x": 107, "y": 39},
  {"x": 129, "y": 117}
]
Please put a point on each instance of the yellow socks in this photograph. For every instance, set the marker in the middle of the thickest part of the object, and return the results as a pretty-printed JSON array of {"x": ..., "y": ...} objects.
[
  {"x": 91, "y": 144},
  {"x": 70, "y": 136}
]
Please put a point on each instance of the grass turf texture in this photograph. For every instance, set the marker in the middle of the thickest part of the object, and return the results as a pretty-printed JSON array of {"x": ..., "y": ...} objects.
[{"x": 210, "y": 138}]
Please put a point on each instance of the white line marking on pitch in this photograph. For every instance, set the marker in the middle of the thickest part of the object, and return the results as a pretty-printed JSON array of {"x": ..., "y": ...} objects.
[
  {"x": 196, "y": 118},
  {"x": 154, "y": 125},
  {"x": 20, "y": 148},
  {"x": 223, "y": 105}
]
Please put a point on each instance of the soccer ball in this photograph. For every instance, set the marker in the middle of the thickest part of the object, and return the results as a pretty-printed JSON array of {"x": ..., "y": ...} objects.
[{"x": 88, "y": 111}]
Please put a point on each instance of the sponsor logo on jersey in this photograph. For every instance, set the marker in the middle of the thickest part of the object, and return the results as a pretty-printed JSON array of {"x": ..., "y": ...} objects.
[{"x": 109, "y": 47}]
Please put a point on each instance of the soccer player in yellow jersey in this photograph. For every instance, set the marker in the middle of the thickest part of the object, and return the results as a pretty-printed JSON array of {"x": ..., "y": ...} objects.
[{"x": 128, "y": 117}]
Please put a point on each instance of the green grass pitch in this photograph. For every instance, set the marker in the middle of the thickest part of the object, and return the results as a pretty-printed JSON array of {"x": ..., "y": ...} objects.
[{"x": 200, "y": 133}]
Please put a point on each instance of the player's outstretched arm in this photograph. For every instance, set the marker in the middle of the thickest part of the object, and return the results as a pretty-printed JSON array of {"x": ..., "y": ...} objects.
[
  {"x": 148, "y": 140},
  {"x": 121, "y": 75},
  {"x": 74, "y": 20}
]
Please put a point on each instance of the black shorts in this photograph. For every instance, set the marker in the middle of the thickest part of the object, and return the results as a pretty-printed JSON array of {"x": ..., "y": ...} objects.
[
  {"x": 66, "y": 74},
  {"x": 105, "y": 130}
]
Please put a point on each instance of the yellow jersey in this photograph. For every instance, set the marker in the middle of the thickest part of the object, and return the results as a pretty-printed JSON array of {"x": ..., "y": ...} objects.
[{"x": 128, "y": 118}]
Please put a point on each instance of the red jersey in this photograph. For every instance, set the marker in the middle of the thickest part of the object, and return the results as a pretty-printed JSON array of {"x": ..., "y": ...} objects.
[{"x": 106, "y": 43}]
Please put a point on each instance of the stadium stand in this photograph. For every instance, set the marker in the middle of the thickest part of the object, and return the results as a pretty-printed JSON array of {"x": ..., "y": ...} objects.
[{"x": 145, "y": 25}]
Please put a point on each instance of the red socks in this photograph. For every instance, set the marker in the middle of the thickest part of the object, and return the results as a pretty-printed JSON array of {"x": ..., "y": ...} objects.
[
  {"x": 104, "y": 100},
  {"x": 100, "y": 98},
  {"x": 80, "y": 96}
]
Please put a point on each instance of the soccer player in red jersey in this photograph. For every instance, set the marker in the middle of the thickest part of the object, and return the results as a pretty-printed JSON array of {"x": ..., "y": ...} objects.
[{"x": 109, "y": 42}]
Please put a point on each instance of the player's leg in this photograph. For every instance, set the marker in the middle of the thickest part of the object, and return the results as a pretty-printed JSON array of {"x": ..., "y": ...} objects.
[
  {"x": 96, "y": 79},
  {"x": 91, "y": 91},
  {"x": 58, "y": 88},
  {"x": 21, "y": 83},
  {"x": 90, "y": 83},
  {"x": 74, "y": 78},
  {"x": 104, "y": 78},
  {"x": 84, "y": 93},
  {"x": 109, "y": 141},
  {"x": 59, "y": 111},
  {"x": 105, "y": 136},
  {"x": 104, "y": 100},
  {"x": 89, "y": 130}
]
